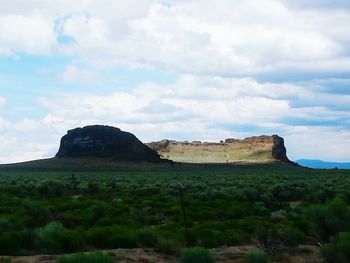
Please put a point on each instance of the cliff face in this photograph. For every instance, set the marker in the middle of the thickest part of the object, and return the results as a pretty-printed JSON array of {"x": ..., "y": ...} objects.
[
  {"x": 258, "y": 149},
  {"x": 105, "y": 141}
]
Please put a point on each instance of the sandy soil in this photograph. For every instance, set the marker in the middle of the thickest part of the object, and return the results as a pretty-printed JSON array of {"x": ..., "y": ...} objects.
[{"x": 302, "y": 254}]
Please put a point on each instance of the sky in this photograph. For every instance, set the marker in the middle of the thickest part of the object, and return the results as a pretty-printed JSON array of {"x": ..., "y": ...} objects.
[{"x": 179, "y": 69}]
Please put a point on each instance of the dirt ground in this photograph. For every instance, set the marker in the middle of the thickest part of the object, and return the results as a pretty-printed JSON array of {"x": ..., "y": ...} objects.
[{"x": 302, "y": 254}]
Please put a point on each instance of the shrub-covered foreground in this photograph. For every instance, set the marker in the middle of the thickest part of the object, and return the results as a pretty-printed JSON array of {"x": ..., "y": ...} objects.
[{"x": 277, "y": 205}]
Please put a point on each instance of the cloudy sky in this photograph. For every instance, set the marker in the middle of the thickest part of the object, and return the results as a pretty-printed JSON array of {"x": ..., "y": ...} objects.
[{"x": 180, "y": 69}]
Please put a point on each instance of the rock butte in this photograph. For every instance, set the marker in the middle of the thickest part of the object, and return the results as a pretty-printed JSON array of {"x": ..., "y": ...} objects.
[
  {"x": 257, "y": 149},
  {"x": 110, "y": 142},
  {"x": 105, "y": 141}
]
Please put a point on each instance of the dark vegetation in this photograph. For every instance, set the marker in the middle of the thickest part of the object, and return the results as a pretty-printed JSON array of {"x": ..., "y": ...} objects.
[
  {"x": 92, "y": 257},
  {"x": 196, "y": 255},
  {"x": 257, "y": 256},
  {"x": 273, "y": 206}
]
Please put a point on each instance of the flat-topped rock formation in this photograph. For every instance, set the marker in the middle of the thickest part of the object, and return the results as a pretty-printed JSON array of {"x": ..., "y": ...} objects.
[
  {"x": 257, "y": 149},
  {"x": 105, "y": 141}
]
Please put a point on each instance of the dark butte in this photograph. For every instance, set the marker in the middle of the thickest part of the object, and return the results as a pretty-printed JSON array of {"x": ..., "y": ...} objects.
[{"x": 105, "y": 141}]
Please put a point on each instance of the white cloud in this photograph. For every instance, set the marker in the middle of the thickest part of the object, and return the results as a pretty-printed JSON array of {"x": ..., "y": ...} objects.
[
  {"x": 111, "y": 9},
  {"x": 34, "y": 26},
  {"x": 191, "y": 99},
  {"x": 74, "y": 73},
  {"x": 87, "y": 31},
  {"x": 234, "y": 37},
  {"x": 26, "y": 140},
  {"x": 221, "y": 37},
  {"x": 26, "y": 34}
]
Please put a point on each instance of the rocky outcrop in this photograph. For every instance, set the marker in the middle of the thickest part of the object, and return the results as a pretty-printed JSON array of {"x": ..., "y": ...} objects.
[
  {"x": 105, "y": 141},
  {"x": 279, "y": 151},
  {"x": 257, "y": 149},
  {"x": 158, "y": 146}
]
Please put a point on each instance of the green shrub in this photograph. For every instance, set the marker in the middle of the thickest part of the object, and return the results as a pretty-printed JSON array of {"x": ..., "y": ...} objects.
[
  {"x": 99, "y": 237},
  {"x": 146, "y": 238},
  {"x": 5, "y": 224},
  {"x": 52, "y": 188},
  {"x": 72, "y": 241},
  {"x": 92, "y": 257},
  {"x": 292, "y": 236},
  {"x": 93, "y": 188},
  {"x": 96, "y": 212},
  {"x": 257, "y": 256},
  {"x": 232, "y": 237},
  {"x": 210, "y": 238},
  {"x": 9, "y": 243},
  {"x": 36, "y": 215},
  {"x": 330, "y": 219},
  {"x": 5, "y": 260},
  {"x": 111, "y": 237},
  {"x": 338, "y": 250},
  {"x": 50, "y": 237},
  {"x": 196, "y": 255},
  {"x": 167, "y": 247},
  {"x": 26, "y": 239}
]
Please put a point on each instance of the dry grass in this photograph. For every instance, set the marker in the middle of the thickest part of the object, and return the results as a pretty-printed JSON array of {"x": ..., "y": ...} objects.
[
  {"x": 236, "y": 254},
  {"x": 219, "y": 153}
]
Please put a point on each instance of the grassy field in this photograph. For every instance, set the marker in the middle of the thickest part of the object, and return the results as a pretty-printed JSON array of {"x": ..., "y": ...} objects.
[{"x": 54, "y": 207}]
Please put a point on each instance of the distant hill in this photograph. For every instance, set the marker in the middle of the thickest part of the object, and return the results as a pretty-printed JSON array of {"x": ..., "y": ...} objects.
[
  {"x": 257, "y": 149},
  {"x": 318, "y": 164}
]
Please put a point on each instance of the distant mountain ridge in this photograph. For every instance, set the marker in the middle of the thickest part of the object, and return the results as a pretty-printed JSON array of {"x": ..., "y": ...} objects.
[{"x": 318, "y": 164}]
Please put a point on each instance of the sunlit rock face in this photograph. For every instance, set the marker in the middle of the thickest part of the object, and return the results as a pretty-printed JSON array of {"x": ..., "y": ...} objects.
[
  {"x": 257, "y": 149},
  {"x": 105, "y": 141}
]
